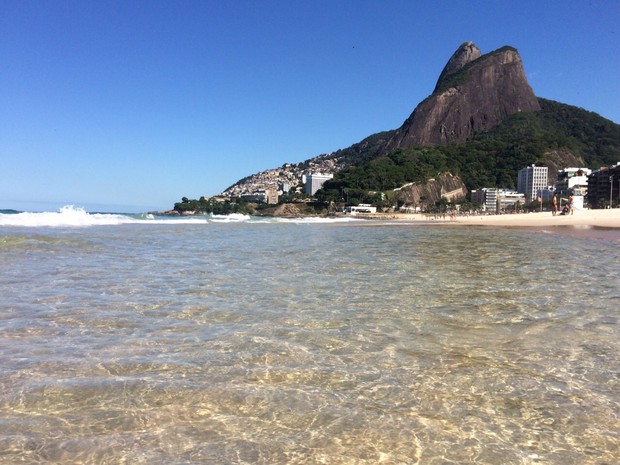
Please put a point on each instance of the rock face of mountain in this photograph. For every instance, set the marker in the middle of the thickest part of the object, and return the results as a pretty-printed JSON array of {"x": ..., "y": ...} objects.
[
  {"x": 445, "y": 185},
  {"x": 465, "y": 54},
  {"x": 474, "y": 93}
]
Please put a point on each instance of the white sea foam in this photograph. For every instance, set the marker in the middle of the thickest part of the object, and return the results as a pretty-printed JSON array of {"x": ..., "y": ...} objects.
[
  {"x": 317, "y": 220},
  {"x": 68, "y": 215},
  {"x": 232, "y": 218},
  {"x": 72, "y": 216}
]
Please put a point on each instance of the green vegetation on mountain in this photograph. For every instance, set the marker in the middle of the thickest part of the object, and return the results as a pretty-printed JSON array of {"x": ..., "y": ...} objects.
[
  {"x": 364, "y": 151},
  {"x": 206, "y": 206},
  {"x": 488, "y": 159}
]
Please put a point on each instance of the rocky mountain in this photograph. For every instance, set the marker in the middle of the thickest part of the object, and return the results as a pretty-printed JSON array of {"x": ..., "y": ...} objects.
[
  {"x": 482, "y": 123},
  {"x": 474, "y": 93},
  {"x": 465, "y": 54}
]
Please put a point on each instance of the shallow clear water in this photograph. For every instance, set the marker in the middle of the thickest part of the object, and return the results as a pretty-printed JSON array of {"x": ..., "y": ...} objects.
[{"x": 265, "y": 343}]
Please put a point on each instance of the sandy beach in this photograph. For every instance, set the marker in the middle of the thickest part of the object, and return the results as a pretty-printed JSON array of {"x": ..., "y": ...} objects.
[
  {"x": 586, "y": 224},
  {"x": 593, "y": 218},
  {"x": 583, "y": 218}
]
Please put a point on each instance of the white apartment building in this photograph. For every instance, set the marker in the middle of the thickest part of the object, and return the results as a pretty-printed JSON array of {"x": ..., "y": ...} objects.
[
  {"x": 361, "y": 208},
  {"x": 315, "y": 181},
  {"x": 496, "y": 200},
  {"x": 269, "y": 196},
  {"x": 572, "y": 181},
  {"x": 509, "y": 198},
  {"x": 532, "y": 179}
]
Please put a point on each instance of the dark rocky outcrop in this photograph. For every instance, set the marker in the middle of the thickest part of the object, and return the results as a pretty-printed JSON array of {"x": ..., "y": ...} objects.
[
  {"x": 290, "y": 210},
  {"x": 558, "y": 159},
  {"x": 465, "y": 54},
  {"x": 473, "y": 94},
  {"x": 287, "y": 210},
  {"x": 445, "y": 185}
]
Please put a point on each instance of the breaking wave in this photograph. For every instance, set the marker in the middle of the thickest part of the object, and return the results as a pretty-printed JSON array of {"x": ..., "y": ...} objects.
[
  {"x": 72, "y": 216},
  {"x": 68, "y": 215},
  {"x": 232, "y": 218}
]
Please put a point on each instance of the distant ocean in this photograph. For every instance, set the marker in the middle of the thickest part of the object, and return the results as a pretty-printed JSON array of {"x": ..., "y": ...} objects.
[{"x": 237, "y": 340}]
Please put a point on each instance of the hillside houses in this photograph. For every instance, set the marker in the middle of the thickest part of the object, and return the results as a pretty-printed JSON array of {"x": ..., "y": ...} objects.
[{"x": 283, "y": 179}]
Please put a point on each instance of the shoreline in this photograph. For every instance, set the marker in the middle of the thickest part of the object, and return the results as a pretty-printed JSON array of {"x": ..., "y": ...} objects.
[{"x": 584, "y": 218}]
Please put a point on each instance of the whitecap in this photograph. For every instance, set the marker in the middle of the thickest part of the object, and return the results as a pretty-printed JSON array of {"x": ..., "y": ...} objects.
[
  {"x": 69, "y": 215},
  {"x": 233, "y": 217}
]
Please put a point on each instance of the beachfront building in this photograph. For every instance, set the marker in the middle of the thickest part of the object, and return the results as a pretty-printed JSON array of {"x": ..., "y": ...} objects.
[
  {"x": 272, "y": 196},
  {"x": 510, "y": 198},
  {"x": 494, "y": 200},
  {"x": 315, "y": 181},
  {"x": 532, "y": 179},
  {"x": 478, "y": 196},
  {"x": 572, "y": 181},
  {"x": 269, "y": 196},
  {"x": 361, "y": 208},
  {"x": 490, "y": 200},
  {"x": 604, "y": 187}
]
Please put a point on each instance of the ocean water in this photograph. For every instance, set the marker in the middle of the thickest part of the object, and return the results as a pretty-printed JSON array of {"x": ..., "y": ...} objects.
[{"x": 137, "y": 340}]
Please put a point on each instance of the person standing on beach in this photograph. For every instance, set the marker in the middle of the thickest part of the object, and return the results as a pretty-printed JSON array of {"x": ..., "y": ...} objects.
[
  {"x": 554, "y": 205},
  {"x": 571, "y": 204}
]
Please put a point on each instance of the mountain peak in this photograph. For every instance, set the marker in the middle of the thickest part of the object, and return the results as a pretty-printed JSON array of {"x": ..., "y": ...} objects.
[
  {"x": 473, "y": 94},
  {"x": 466, "y": 53}
]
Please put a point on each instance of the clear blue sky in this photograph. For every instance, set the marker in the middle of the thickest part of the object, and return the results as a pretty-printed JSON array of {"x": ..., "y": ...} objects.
[{"x": 131, "y": 105}]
